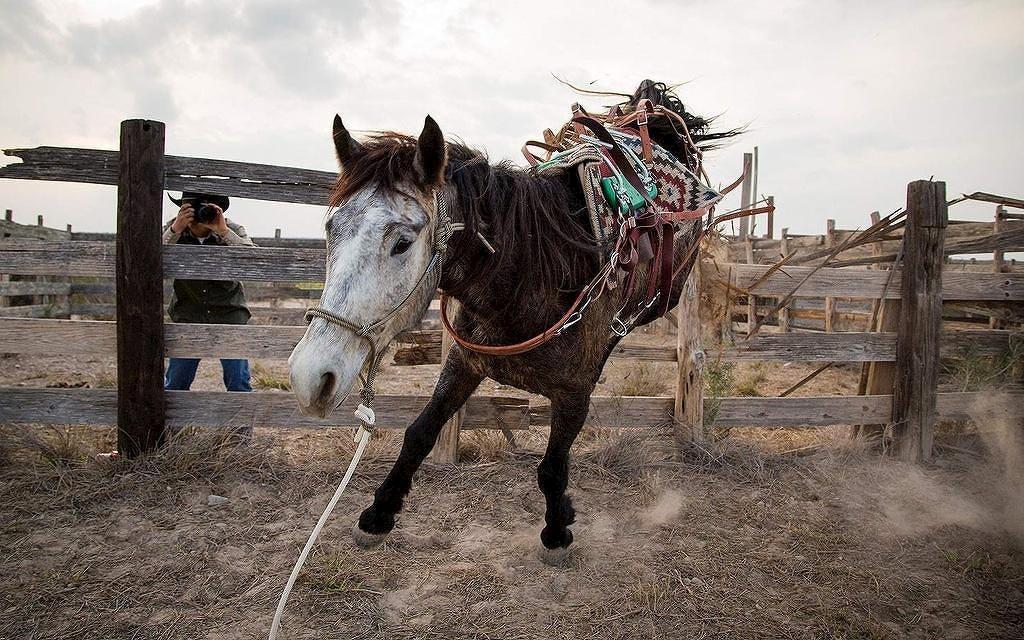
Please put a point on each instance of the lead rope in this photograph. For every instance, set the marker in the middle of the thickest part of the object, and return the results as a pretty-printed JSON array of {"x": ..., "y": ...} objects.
[{"x": 364, "y": 412}]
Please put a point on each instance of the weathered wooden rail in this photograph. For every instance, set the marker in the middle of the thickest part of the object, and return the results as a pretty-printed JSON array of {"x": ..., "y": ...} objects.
[{"x": 143, "y": 410}]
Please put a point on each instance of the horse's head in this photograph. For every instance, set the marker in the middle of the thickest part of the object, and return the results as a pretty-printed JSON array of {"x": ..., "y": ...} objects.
[{"x": 380, "y": 243}]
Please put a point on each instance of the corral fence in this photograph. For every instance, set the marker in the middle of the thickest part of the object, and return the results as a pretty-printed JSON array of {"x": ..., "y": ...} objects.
[
  {"x": 908, "y": 349},
  {"x": 831, "y": 313}
]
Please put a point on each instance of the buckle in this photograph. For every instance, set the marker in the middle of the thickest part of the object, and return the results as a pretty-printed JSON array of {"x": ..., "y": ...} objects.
[{"x": 621, "y": 329}]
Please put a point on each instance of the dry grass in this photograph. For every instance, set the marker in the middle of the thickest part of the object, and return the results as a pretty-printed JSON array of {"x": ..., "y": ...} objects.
[
  {"x": 483, "y": 445},
  {"x": 740, "y": 539},
  {"x": 104, "y": 380},
  {"x": 753, "y": 381},
  {"x": 979, "y": 373},
  {"x": 623, "y": 454},
  {"x": 644, "y": 379},
  {"x": 263, "y": 378}
]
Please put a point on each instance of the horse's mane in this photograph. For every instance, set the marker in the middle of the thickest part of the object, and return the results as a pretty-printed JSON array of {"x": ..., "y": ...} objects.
[{"x": 666, "y": 131}]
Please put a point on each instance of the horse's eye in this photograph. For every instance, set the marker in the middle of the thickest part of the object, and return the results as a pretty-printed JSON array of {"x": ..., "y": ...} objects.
[{"x": 401, "y": 247}]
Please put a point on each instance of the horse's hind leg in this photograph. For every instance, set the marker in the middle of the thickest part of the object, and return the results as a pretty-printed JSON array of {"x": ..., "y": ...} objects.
[
  {"x": 567, "y": 417},
  {"x": 454, "y": 386}
]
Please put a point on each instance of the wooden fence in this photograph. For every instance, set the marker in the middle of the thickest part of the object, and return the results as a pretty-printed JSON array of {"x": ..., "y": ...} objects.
[
  {"x": 139, "y": 263},
  {"x": 833, "y": 313}
]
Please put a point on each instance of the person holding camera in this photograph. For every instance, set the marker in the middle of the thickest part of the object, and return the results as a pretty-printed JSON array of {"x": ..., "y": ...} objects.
[{"x": 201, "y": 221}]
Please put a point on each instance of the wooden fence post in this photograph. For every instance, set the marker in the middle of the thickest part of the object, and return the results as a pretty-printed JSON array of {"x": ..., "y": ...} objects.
[
  {"x": 876, "y": 378},
  {"x": 998, "y": 262},
  {"x": 784, "y": 311},
  {"x": 446, "y": 450},
  {"x": 880, "y": 376},
  {"x": 748, "y": 177},
  {"x": 830, "y": 302},
  {"x": 771, "y": 217},
  {"x": 915, "y": 391},
  {"x": 876, "y": 250},
  {"x": 140, "y": 291},
  {"x": 689, "y": 400},
  {"x": 748, "y": 247},
  {"x": 4, "y": 300}
]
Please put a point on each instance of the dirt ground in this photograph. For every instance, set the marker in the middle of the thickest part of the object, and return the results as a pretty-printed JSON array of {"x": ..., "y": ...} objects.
[{"x": 785, "y": 533}]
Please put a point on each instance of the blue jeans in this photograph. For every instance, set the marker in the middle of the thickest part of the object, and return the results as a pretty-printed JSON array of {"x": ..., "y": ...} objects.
[{"x": 182, "y": 371}]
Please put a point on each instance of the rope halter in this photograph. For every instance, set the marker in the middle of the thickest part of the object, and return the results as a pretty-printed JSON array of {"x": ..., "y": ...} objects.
[{"x": 371, "y": 331}]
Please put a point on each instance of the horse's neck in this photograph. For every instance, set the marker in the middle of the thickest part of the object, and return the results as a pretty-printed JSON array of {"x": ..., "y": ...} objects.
[{"x": 496, "y": 289}]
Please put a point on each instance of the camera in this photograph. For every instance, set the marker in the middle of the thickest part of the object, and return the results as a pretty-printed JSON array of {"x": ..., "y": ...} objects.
[{"x": 205, "y": 212}]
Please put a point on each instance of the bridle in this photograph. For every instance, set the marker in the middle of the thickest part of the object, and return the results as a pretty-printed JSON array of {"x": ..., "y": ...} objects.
[{"x": 370, "y": 331}]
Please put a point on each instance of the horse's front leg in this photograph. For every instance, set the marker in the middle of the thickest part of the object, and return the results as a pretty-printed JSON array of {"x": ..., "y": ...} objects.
[
  {"x": 567, "y": 416},
  {"x": 454, "y": 386}
]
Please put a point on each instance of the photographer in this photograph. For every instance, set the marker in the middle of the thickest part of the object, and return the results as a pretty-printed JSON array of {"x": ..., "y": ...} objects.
[{"x": 201, "y": 221}]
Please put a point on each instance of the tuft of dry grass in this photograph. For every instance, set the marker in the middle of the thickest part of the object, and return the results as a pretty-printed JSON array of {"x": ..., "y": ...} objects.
[
  {"x": 70, "y": 471},
  {"x": 483, "y": 445},
  {"x": 622, "y": 454},
  {"x": 753, "y": 382},
  {"x": 105, "y": 380},
  {"x": 58, "y": 447},
  {"x": 642, "y": 380},
  {"x": 263, "y": 378},
  {"x": 980, "y": 373}
]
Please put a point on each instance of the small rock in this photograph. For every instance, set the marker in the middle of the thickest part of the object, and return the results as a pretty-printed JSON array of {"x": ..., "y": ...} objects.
[{"x": 214, "y": 500}]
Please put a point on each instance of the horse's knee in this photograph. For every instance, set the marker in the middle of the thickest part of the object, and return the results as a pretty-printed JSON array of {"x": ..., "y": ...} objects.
[{"x": 552, "y": 478}]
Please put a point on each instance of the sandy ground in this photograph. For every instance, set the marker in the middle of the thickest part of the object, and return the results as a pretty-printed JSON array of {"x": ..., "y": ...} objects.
[{"x": 781, "y": 533}]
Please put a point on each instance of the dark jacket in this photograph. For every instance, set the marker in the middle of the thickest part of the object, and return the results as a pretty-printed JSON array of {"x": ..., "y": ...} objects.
[{"x": 210, "y": 301}]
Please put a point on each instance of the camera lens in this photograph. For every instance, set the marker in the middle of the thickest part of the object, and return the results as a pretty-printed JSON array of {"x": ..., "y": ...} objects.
[{"x": 206, "y": 213}]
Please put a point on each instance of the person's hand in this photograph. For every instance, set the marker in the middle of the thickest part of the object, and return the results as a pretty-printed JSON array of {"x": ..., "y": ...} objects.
[
  {"x": 186, "y": 215},
  {"x": 219, "y": 224}
]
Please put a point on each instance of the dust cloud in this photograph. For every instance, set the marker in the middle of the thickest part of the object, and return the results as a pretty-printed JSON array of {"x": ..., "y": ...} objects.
[
  {"x": 987, "y": 496},
  {"x": 664, "y": 509}
]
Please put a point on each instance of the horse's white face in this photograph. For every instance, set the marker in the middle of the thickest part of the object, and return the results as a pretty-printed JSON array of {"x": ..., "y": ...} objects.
[{"x": 378, "y": 246}]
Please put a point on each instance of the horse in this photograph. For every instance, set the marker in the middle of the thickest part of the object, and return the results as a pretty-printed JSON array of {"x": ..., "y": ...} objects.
[{"x": 394, "y": 196}]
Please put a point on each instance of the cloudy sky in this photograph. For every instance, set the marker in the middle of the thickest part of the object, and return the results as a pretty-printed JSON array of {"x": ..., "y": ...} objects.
[{"x": 846, "y": 103}]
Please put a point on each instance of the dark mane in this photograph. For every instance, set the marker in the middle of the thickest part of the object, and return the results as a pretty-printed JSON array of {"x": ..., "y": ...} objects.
[
  {"x": 665, "y": 131},
  {"x": 536, "y": 222}
]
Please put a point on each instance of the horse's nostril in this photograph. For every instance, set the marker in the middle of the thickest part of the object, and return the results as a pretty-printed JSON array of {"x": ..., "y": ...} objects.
[{"x": 327, "y": 384}]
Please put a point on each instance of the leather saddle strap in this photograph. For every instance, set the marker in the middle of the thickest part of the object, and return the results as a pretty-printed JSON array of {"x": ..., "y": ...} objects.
[
  {"x": 525, "y": 345},
  {"x": 615, "y": 151},
  {"x": 531, "y": 158},
  {"x": 665, "y": 280},
  {"x": 644, "y": 108}
]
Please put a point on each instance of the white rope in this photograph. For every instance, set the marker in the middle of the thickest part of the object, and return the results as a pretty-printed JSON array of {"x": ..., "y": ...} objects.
[{"x": 362, "y": 438}]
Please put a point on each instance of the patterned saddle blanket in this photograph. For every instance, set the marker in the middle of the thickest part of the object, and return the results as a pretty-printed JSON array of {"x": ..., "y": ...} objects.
[{"x": 678, "y": 189}]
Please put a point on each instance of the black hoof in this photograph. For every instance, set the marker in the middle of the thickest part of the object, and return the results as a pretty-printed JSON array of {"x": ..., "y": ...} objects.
[
  {"x": 556, "y": 538},
  {"x": 376, "y": 523}
]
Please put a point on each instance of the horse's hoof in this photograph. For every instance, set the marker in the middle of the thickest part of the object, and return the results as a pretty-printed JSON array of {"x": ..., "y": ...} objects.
[
  {"x": 556, "y": 557},
  {"x": 367, "y": 540}
]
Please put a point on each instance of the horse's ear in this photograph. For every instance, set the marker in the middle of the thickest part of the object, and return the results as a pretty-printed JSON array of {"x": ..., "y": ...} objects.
[
  {"x": 431, "y": 154},
  {"x": 344, "y": 145}
]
